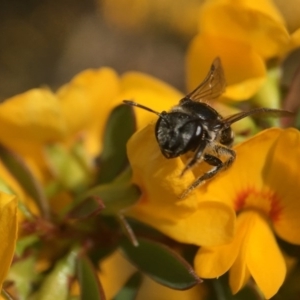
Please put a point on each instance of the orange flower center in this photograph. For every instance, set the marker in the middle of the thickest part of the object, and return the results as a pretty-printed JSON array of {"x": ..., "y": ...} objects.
[{"x": 266, "y": 202}]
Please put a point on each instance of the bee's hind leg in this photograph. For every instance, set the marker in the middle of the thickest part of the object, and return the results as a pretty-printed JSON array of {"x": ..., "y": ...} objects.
[{"x": 215, "y": 161}]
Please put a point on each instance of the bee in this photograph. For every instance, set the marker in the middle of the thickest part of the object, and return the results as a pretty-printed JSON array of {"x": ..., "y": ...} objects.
[{"x": 193, "y": 125}]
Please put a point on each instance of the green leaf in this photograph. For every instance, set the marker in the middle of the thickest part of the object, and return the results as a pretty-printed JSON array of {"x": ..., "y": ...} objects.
[
  {"x": 70, "y": 172},
  {"x": 78, "y": 150},
  {"x": 129, "y": 290},
  {"x": 116, "y": 196},
  {"x": 23, "y": 277},
  {"x": 142, "y": 229},
  {"x": 91, "y": 206},
  {"x": 99, "y": 253},
  {"x": 124, "y": 176},
  {"x": 161, "y": 263},
  {"x": 90, "y": 286},
  {"x": 56, "y": 284},
  {"x": 24, "y": 243},
  {"x": 21, "y": 206},
  {"x": 119, "y": 128},
  {"x": 23, "y": 175}
]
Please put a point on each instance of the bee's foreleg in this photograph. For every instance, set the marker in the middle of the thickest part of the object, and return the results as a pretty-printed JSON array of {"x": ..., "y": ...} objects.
[
  {"x": 213, "y": 160},
  {"x": 196, "y": 158}
]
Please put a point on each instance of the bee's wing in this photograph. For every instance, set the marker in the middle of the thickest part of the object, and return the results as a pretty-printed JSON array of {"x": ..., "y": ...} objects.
[
  {"x": 269, "y": 112},
  {"x": 212, "y": 86}
]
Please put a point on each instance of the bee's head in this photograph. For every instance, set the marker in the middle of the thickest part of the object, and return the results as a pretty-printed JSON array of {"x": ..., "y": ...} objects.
[{"x": 176, "y": 133}]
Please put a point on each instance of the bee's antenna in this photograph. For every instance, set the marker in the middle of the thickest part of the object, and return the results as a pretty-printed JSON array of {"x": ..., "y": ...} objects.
[{"x": 131, "y": 103}]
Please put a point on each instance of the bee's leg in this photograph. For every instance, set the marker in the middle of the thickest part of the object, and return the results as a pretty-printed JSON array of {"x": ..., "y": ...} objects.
[
  {"x": 218, "y": 164},
  {"x": 196, "y": 158}
]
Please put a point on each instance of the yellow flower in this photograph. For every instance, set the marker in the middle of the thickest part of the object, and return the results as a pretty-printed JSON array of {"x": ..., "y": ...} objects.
[
  {"x": 290, "y": 11},
  {"x": 245, "y": 34},
  {"x": 30, "y": 120},
  {"x": 263, "y": 188},
  {"x": 33, "y": 119},
  {"x": 146, "y": 89},
  {"x": 188, "y": 220},
  {"x": 86, "y": 102},
  {"x": 115, "y": 270},
  {"x": 88, "y": 99},
  {"x": 8, "y": 229},
  {"x": 144, "y": 15}
]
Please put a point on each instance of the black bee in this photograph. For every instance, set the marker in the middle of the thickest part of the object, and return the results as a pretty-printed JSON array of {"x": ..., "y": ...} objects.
[{"x": 195, "y": 126}]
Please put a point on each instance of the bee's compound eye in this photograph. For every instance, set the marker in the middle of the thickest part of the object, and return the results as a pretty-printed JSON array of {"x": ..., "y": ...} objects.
[{"x": 198, "y": 130}]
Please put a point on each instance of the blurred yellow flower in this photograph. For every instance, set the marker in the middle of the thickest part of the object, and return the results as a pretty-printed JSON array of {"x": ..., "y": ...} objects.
[
  {"x": 149, "y": 290},
  {"x": 86, "y": 102},
  {"x": 290, "y": 11},
  {"x": 30, "y": 120},
  {"x": 43, "y": 127},
  {"x": 9, "y": 230},
  {"x": 114, "y": 271},
  {"x": 263, "y": 188},
  {"x": 88, "y": 99},
  {"x": 146, "y": 89},
  {"x": 245, "y": 34},
  {"x": 178, "y": 18},
  {"x": 33, "y": 119}
]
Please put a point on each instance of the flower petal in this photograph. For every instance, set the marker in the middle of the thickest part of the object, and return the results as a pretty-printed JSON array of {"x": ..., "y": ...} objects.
[
  {"x": 293, "y": 44},
  {"x": 239, "y": 273},
  {"x": 244, "y": 68},
  {"x": 266, "y": 7},
  {"x": 187, "y": 220},
  {"x": 264, "y": 258},
  {"x": 8, "y": 229},
  {"x": 86, "y": 103},
  {"x": 159, "y": 179},
  {"x": 246, "y": 171},
  {"x": 133, "y": 80},
  {"x": 215, "y": 261},
  {"x": 295, "y": 40},
  {"x": 289, "y": 12},
  {"x": 150, "y": 92},
  {"x": 255, "y": 23},
  {"x": 212, "y": 224},
  {"x": 150, "y": 290},
  {"x": 34, "y": 116},
  {"x": 281, "y": 174},
  {"x": 115, "y": 270}
]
